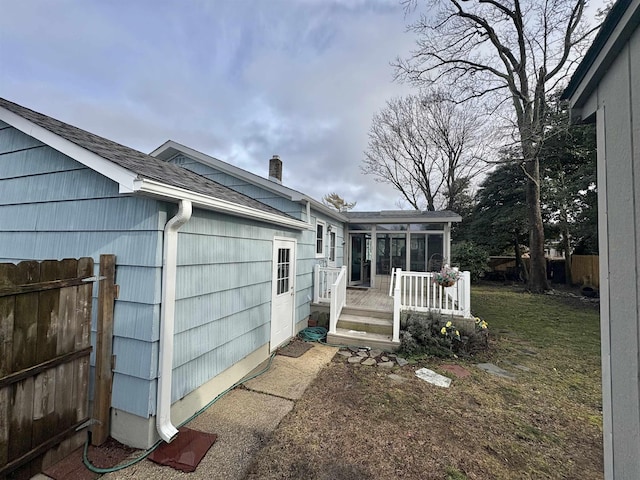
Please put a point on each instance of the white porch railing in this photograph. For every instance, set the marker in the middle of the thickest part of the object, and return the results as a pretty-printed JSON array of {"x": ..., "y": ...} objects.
[
  {"x": 418, "y": 292},
  {"x": 338, "y": 299},
  {"x": 324, "y": 278}
]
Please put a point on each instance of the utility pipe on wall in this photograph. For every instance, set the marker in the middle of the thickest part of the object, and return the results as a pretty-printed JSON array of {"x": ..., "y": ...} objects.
[{"x": 165, "y": 428}]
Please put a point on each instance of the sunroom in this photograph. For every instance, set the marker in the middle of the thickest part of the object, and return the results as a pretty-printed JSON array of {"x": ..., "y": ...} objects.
[
  {"x": 390, "y": 260},
  {"x": 379, "y": 242}
]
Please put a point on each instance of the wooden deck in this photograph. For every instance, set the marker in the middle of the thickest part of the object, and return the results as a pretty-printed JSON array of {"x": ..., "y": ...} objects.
[{"x": 369, "y": 298}]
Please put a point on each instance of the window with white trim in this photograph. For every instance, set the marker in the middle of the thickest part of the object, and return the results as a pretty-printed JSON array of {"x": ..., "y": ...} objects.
[
  {"x": 320, "y": 228},
  {"x": 332, "y": 244}
]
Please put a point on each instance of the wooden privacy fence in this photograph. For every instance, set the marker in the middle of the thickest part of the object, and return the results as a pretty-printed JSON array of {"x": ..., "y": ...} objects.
[
  {"x": 45, "y": 343},
  {"x": 585, "y": 269}
]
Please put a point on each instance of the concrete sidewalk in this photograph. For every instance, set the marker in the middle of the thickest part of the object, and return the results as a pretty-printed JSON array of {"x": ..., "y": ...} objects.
[{"x": 244, "y": 419}]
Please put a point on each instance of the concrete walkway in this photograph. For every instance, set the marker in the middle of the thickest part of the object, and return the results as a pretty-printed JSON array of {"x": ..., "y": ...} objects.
[{"x": 244, "y": 419}]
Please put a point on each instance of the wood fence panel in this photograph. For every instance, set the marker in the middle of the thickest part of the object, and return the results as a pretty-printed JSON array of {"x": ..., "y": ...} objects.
[
  {"x": 21, "y": 418},
  {"x": 67, "y": 311},
  {"x": 48, "y": 304},
  {"x": 7, "y": 308},
  {"x": 585, "y": 269},
  {"x": 44, "y": 407},
  {"x": 45, "y": 313},
  {"x": 4, "y": 425},
  {"x": 83, "y": 306},
  {"x": 25, "y": 326}
]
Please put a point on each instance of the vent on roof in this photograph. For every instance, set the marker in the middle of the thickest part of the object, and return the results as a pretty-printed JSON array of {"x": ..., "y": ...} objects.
[{"x": 275, "y": 169}]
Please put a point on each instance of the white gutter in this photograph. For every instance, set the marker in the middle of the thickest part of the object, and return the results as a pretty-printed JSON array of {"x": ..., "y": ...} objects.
[
  {"x": 165, "y": 191},
  {"x": 165, "y": 428}
]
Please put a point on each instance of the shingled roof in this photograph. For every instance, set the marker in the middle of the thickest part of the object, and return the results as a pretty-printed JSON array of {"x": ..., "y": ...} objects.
[
  {"x": 399, "y": 216},
  {"x": 141, "y": 164}
]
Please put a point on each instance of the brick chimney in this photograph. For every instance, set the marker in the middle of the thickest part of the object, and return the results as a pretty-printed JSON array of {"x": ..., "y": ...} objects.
[{"x": 275, "y": 169}]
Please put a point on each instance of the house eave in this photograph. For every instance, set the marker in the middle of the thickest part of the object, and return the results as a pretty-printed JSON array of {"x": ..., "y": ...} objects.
[
  {"x": 614, "y": 32},
  {"x": 168, "y": 192}
]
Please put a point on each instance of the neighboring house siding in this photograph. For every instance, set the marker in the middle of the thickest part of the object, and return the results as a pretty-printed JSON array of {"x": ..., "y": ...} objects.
[
  {"x": 618, "y": 118},
  {"x": 272, "y": 199},
  {"x": 52, "y": 207}
]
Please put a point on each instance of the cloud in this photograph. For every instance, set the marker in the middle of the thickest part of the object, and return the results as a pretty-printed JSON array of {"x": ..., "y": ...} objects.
[{"x": 238, "y": 80}]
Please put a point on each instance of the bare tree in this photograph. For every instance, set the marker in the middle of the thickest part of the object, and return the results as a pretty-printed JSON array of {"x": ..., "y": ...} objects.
[
  {"x": 427, "y": 147},
  {"x": 509, "y": 52},
  {"x": 336, "y": 201}
]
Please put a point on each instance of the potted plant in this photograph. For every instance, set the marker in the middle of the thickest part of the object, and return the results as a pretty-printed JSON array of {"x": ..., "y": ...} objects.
[{"x": 447, "y": 277}]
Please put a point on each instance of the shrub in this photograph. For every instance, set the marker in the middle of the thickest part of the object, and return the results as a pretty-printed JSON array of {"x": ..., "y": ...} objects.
[
  {"x": 471, "y": 257},
  {"x": 435, "y": 335}
]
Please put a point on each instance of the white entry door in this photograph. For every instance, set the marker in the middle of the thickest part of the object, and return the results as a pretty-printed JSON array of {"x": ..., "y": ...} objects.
[{"x": 283, "y": 291}]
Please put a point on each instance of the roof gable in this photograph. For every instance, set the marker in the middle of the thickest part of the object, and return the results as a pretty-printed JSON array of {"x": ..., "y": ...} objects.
[{"x": 170, "y": 149}]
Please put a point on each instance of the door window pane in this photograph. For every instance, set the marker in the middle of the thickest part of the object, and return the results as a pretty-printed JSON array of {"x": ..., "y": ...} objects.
[{"x": 282, "y": 281}]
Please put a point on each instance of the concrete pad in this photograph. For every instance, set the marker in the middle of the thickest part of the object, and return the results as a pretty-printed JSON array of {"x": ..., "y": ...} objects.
[
  {"x": 495, "y": 370},
  {"x": 243, "y": 421},
  {"x": 289, "y": 377}
]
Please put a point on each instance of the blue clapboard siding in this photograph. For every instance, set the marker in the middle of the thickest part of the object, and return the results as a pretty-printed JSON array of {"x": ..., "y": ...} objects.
[
  {"x": 52, "y": 207},
  {"x": 270, "y": 198},
  {"x": 223, "y": 295},
  {"x": 12, "y": 140},
  {"x": 224, "y": 288}
]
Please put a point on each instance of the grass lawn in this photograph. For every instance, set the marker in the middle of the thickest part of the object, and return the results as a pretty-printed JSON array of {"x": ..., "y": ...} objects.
[{"x": 356, "y": 422}]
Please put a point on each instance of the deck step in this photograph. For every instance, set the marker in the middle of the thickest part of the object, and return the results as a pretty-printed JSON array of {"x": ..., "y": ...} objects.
[
  {"x": 358, "y": 338},
  {"x": 368, "y": 312},
  {"x": 367, "y": 324}
]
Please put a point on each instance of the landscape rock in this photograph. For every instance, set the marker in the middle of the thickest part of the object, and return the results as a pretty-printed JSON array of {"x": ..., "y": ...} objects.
[
  {"x": 362, "y": 353},
  {"x": 387, "y": 364},
  {"x": 369, "y": 362},
  {"x": 433, "y": 377},
  {"x": 495, "y": 370},
  {"x": 401, "y": 361},
  {"x": 384, "y": 358},
  {"x": 354, "y": 359},
  {"x": 344, "y": 353}
]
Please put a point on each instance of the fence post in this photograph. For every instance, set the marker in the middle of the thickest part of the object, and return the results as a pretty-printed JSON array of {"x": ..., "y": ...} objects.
[
  {"x": 466, "y": 294},
  {"x": 107, "y": 293},
  {"x": 396, "y": 306}
]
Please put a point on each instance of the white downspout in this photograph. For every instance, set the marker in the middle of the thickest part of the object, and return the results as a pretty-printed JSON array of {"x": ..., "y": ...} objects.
[{"x": 165, "y": 428}]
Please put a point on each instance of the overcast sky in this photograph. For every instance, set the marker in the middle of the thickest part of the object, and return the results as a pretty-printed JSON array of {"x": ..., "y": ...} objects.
[{"x": 239, "y": 80}]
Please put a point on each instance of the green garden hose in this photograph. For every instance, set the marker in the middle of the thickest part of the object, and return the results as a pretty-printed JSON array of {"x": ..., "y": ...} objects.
[
  {"x": 310, "y": 334},
  {"x": 149, "y": 451}
]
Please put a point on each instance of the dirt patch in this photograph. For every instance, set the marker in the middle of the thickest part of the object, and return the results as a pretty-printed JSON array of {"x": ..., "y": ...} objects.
[{"x": 357, "y": 422}]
